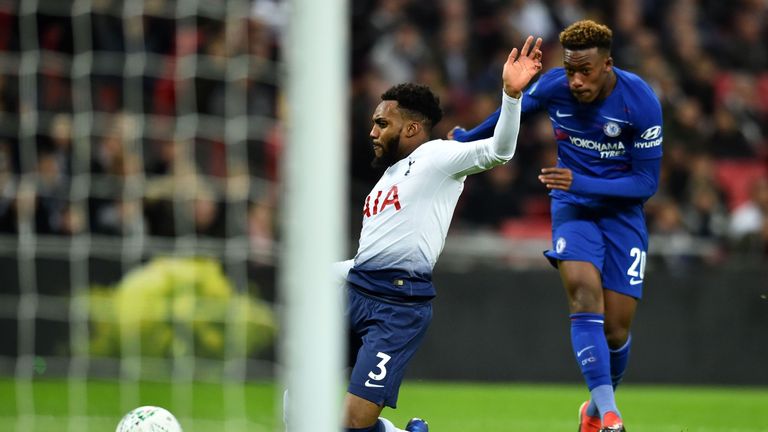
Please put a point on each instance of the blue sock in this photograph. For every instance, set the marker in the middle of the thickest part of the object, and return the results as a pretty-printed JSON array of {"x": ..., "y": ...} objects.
[
  {"x": 377, "y": 427},
  {"x": 603, "y": 398},
  {"x": 619, "y": 360},
  {"x": 592, "y": 355}
]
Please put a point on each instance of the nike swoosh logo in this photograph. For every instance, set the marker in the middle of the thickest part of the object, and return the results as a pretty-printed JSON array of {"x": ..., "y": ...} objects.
[
  {"x": 634, "y": 281},
  {"x": 579, "y": 353},
  {"x": 368, "y": 384},
  {"x": 561, "y": 115}
]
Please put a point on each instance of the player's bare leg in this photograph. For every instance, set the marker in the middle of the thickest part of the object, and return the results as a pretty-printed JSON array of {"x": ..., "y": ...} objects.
[
  {"x": 619, "y": 310},
  {"x": 586, "y": 302},
  {"x": 360, "y": 413},
  {"x": 363, "y": 414},
  {"x": 619, "y": 313},
  {"x": 583, "y": 286}
]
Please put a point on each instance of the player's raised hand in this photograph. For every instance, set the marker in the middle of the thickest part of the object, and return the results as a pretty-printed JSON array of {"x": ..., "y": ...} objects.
[{"x": 521, "y": 67}]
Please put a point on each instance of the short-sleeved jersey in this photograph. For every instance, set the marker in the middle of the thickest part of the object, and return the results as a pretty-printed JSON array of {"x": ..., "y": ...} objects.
[
  {"x": 407, "y": 214},
  {"x": 599, "y": 139}
]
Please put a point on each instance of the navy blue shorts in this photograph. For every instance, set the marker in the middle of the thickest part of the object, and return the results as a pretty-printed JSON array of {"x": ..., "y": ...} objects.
[
  {"x": 615, "y": 240},
  {"x": 387, "y": 334}
]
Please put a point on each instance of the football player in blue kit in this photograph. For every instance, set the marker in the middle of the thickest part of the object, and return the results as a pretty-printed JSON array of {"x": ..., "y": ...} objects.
[
  {"x": 405, "y": 220},
  {"x": 608, "y": 127}
]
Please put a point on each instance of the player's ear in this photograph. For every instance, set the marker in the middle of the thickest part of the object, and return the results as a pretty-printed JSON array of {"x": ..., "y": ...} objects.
[
  {"x": 608, "y": 63},
  {"x": 412, "y": 129}
]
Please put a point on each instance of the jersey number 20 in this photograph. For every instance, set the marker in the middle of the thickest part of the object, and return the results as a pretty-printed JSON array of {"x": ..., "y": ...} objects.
[{"x": 637, "y": 269}]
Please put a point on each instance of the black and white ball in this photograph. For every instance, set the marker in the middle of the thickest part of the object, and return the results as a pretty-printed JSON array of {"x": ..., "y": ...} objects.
[{"x": 149, "y": 419}]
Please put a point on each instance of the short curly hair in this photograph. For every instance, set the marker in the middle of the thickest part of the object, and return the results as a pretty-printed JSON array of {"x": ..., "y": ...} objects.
[
  {"x": 586, "y": 34},
  {"x": 417, "y": 101}
]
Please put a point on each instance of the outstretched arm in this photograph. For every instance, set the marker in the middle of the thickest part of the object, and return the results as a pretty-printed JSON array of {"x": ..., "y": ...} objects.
[
  {"x": 515, "y": 73},
  {"x": 483, "y": 130},
  {"x": 481, "y": 155},
  {"x": 520, "y": 68}
]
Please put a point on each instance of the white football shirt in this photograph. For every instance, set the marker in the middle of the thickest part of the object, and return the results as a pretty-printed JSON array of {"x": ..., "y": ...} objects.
[{"x": 407, "y": 213}]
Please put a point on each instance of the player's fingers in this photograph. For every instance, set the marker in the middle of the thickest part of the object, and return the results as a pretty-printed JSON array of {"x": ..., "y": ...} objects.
[
  {"x": 526, "y": 46},
  {"x": 555, "y": 172},
  {"x": 512, "y": 56},
  {"x": 555, "y": 179},
  {"x": 552, "y": 170},
  {"x": 537, "y": 48},
  {"x": 537, "y": 59},
  {"x": 563, "y": 188}
]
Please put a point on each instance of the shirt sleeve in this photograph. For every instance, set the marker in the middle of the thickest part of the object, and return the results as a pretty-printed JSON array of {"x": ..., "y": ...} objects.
[
  {"x": 481, "y": 131},
  {"x": 647, "y": 119},
  {"x": 460, "y": 159},
  {"x": 642, "y": 183}
]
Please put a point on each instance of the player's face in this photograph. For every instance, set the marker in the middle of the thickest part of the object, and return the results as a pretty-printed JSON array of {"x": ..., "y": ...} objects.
[
  {"x": 385, "y": 134},
  {"x": 589, "y": 73}
]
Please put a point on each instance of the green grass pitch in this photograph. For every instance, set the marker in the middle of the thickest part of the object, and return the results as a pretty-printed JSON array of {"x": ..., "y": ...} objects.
[{"x": 449, "y": 407}]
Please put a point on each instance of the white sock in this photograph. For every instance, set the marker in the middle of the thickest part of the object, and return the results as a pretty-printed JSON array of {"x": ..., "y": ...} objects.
[{"x": 389, "y": 427}]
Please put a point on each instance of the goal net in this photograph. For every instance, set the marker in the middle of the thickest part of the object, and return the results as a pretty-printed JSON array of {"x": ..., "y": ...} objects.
[{"x": 138, "y": 161}]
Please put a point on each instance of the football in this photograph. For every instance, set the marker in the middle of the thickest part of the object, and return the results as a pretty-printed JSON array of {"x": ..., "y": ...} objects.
[{"x": 149, "y": 419}]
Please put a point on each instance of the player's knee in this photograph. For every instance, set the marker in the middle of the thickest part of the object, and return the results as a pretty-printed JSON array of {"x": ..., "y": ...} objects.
[
  {"x": 584, "y": 298},
  {"x": 616, "y": 336}
]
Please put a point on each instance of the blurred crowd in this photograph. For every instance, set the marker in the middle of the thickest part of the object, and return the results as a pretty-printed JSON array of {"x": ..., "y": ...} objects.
[
  {"x": 138, "y": 119},
  {"x": 707, "y": 60},
  {"x": 147, "y": 118}
]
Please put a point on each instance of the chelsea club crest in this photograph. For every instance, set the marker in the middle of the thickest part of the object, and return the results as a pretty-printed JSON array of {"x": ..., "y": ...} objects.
[
  {"x": 612, "y": 129},
  {"x": 560, "y": 245}
]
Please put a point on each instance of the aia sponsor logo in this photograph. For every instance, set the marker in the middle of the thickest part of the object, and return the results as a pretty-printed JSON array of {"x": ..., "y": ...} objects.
[{"x": 379, "y": 205}]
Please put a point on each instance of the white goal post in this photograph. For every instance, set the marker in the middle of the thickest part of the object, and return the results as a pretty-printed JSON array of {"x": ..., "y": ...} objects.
[{"x": 315, "y": 175}]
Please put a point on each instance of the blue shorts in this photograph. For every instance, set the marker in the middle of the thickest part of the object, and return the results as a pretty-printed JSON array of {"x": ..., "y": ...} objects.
[
  {"x": 614, "y": 239},
  {"x": 387, "y": 334}
]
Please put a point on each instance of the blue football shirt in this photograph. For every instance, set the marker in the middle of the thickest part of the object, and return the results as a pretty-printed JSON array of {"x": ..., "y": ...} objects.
[
  {"x": 613, "y": 146},
  {"x": 603, "y": 138}
]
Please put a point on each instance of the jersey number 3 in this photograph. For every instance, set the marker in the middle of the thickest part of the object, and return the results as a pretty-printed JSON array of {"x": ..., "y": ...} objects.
[{"x": 383, "y": 370}]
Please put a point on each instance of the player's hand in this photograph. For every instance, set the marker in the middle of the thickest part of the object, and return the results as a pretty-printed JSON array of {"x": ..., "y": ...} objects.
[
  {"x": 556, "y": 178},
  {"x": 521, "y": 67},
  {"x": 455, "y": 128}
]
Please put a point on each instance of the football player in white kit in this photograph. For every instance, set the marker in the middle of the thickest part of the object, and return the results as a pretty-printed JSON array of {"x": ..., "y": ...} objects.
[{"x": 405, "y": 221}]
